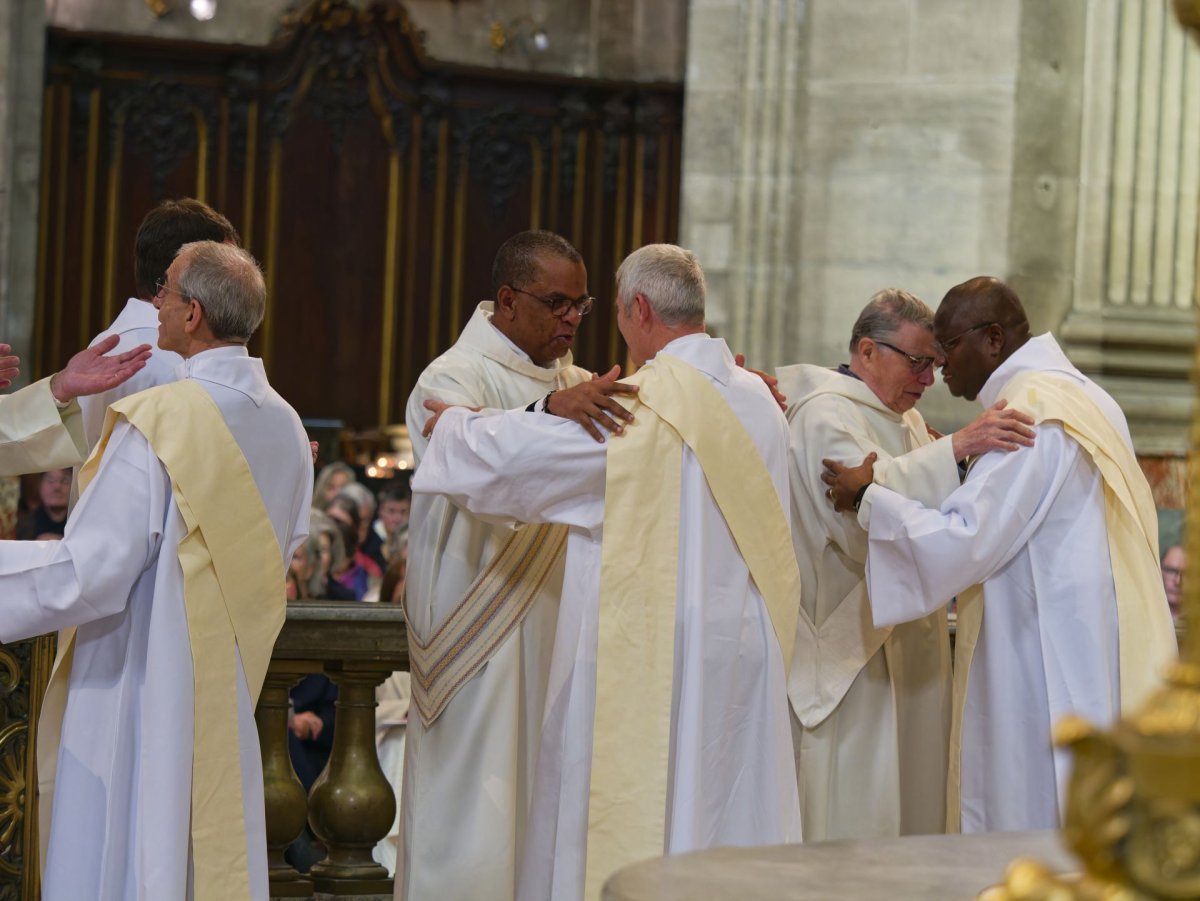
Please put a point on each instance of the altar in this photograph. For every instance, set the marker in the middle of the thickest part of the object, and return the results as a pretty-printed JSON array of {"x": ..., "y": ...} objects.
[{"x": 926, "y": 867}]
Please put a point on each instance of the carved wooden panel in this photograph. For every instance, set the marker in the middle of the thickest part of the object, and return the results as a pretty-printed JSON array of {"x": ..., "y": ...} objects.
[{"x": 373, "y": 185}]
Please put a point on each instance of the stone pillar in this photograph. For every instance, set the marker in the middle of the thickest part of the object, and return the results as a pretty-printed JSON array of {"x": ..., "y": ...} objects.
[
  {"x": 1131, "y": 322},
  {"x": 22, "y": 42},
  {"x": 832, "y": 149}
]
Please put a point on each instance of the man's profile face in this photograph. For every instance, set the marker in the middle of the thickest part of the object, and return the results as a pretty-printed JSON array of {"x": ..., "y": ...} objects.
[
  {"x": 890, "y": 373},
  {"x": 1174, "y": 562},
  {"x": 964, "y": 366},
  {"x": 172, "y": 310},
  {"x": 530, "y": 324}
]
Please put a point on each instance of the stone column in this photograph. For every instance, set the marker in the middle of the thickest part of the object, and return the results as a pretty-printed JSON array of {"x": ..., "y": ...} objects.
[
  {"x": 1131, "y": 322},
  {"x": 22, "y": 42},
  {"x": 832, "y": 149}
]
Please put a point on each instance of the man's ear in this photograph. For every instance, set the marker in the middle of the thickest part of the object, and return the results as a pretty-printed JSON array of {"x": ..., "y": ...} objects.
[
  {"x": 645, "y": 312},
  {"x": 195, "y": 316},
  {"x": 505, "y": 298}
]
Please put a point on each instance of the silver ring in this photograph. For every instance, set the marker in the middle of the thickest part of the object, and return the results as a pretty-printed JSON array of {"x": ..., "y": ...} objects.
[{"x": 829, "y": 493}]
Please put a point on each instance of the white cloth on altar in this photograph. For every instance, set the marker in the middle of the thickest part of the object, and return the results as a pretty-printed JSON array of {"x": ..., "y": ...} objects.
[
  {"x": 35, "y": 435},
  {"x": 391, "y": 721},
  {"x": 120, "y": 828},
  {"x": 135, "y": 325},
  {"x": 1030, "y": 527},
  {"x": 467, "y": 777},
  {"x": 871, "y": 707},
  {"x": 732, "y": 779}
]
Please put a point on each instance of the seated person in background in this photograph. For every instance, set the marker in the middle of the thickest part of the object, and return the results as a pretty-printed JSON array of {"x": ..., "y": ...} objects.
[
  {"x": 367, "y": 551},
  {"x": 1174, "y": 562},
  {"x": 331, "y": 480},
  {"x": 358, "y": 570},
  {"x": 303, "y": 568},
  {"x": 331, "y": 559},
  {"x": 49, "y": 518},
  {"x": 392, "y": 519}
]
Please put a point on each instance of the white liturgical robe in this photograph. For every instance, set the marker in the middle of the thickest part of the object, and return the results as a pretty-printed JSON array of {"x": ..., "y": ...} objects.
[
  {"x": 872, "y": 706},
  {"x": 467, "y": 776},
  {"x": 135, "y": 325},
  {"x": 731, "y": 777},
  {"x": 1029, "y": 526},
  {"x": 35, "y": 435},
  {"x": 122, "y": 803}
]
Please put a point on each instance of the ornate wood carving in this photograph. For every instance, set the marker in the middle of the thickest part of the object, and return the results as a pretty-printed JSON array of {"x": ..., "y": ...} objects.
[{"x": 372, "y": 183}]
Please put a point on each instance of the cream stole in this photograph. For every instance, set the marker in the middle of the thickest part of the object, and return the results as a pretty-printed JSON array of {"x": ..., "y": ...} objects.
[
  {"x": 1146, "y": 636},
  {"x": 233, "y": 586},
  {"x": 635, "y": 654}
]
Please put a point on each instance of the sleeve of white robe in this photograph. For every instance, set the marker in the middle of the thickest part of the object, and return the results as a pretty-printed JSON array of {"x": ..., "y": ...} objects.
[
  {"x": 111, "y": 537},
  {"x": 516, "y": 467},
  {"x": 35, "y": 435},
  {"x": 918, "y": 558}
]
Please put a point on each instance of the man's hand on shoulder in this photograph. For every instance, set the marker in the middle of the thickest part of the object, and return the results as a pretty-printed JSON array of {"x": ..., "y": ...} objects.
[
  {"x": 91, "y": 372},
  {"x": 9, "y": 366},
  {"x": 589, "y": 403},
  {"x": 437, "y": 408},
  {"x": 995, "y": 429},
  {"x": 770, "y": 381}
]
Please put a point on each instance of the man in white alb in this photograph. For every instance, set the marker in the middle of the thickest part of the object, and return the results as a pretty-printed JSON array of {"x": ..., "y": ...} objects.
[
  {"x": 168, "y": 589},
  {"x": 666, "y": 719},
  {"x": 871, "y": 706},
  {"x": 473, "y": 729},
  {"x": 1061, "y": 537},
  {"x": 41, "y": 426}
]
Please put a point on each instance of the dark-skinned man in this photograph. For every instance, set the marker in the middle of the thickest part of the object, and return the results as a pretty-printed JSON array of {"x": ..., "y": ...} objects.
[
  {"x": 1069, "y": 615},
  {"x": 472, "y": 737}
]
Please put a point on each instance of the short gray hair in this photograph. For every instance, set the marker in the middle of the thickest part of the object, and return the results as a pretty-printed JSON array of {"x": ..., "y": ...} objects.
[
  {"x": 886, "y": 312},
  {"x": 228, "y": 283},
  {"x": 669, "y": 277}
]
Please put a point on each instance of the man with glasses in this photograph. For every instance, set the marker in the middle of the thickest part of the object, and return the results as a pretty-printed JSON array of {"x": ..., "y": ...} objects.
[
  {"x": 163, "y": 231},
  {"x": 1061, "y": 538},
  {"x": 871, "y": 705},
  {"x": 475, "y": 723},
  {"x": 168, "y": 588}
]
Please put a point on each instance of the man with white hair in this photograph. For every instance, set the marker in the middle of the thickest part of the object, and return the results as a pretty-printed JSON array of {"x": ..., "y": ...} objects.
[
  {"x": 169, "y": 590},
  {"x": 666, "y": 723},
  {"x": 872, "y": 706}
]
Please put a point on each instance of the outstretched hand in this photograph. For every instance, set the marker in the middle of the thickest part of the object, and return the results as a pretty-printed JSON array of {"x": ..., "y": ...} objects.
[
  {"x": 770, "y": 381},
  {"x": 10, "y": 365},
  {"x": 994, "y": 429},
  {"x": 591, "y": 403},
  {"x": 845, "y": 481},
  {"x": 91, "y": 372},
  {"x": 437, "y": 408}
]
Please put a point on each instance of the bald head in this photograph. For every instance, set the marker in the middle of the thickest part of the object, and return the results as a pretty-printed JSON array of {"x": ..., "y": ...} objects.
[{"x": 978, "y": 326}]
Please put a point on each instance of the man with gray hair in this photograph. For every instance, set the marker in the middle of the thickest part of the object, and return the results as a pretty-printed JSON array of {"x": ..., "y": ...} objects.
[
  {"x": 168, "y": 587},
  {"x": 871, "y": 707},
  {"x": 665, "y": 724}
]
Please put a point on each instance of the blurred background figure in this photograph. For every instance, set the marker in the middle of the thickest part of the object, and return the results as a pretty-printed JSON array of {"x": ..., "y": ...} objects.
[
  {"x": 1174, "y": 562},
  {"x": 330, "y": 481},
  {"x": 49, "y": 518}
]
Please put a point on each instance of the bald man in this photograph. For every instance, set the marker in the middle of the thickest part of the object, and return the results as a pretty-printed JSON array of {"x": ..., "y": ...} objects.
[{"x": 1061, "y": 539}]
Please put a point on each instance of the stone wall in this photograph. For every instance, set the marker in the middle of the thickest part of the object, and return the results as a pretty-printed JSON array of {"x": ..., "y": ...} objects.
[
  {"x": 642, "y": 40},
  {"x": 21, "y": 54},
  {"x": 838, "y": 148}
]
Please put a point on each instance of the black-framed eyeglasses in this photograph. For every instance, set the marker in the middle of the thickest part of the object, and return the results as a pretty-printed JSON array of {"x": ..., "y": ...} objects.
[
  {"x": 949, "y": 344},
  {"x": 560, "y": 305},
  {"x": 915, "y": 363}
]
